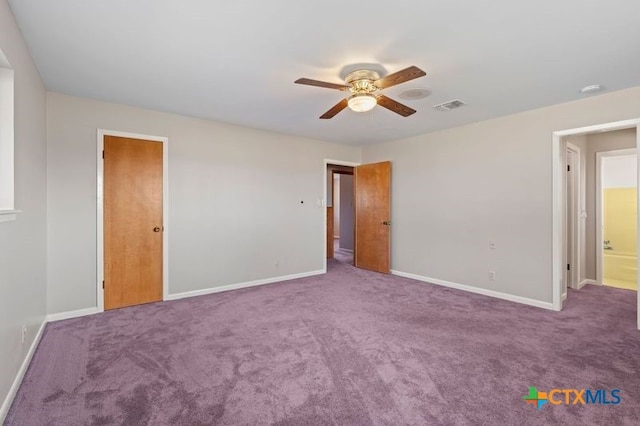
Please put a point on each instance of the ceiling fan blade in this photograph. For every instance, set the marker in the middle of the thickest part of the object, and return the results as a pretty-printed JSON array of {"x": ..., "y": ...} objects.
[
  {"x": 335, "y": 109},
  {"x": 394, "y": 106},
  {"x": 318, "y": 83},
  {"x": 406, "y": 74}
]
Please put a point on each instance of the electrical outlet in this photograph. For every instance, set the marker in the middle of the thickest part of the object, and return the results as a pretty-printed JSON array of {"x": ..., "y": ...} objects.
[
  {"x": 492, "y": 275},
  {"x": 492, "y": 244},
  {"x": 24, "y": 333}
]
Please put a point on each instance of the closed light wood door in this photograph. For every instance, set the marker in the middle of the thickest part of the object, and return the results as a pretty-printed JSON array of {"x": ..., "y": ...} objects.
[
  {"x": 372, "y": 185},
  {"x": 132, "y": 222}
]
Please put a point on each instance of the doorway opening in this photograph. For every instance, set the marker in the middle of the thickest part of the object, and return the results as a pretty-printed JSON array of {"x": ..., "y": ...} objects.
[
  {"x": 342, "y": 235},
  {"x": 577, "y": 238},
  {"x": 369, "y": 208},
  {"x": 617, "y": 218},
  {"x": 132, "y": 236},
  {"x": 333, "y": 172}
]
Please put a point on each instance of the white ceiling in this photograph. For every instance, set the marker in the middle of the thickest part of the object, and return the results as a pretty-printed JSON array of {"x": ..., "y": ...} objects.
[{"x": 236, "y": 61}]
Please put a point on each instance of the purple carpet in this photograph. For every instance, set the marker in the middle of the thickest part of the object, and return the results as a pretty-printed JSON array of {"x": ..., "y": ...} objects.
[{"x": 350, "y": 347}]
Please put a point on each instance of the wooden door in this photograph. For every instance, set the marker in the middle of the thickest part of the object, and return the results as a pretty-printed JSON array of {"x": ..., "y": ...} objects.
[
  {"x": 330, "y": 232},
  {"x": 132, "y": 222},
  {"x": 372, "y": 186}
]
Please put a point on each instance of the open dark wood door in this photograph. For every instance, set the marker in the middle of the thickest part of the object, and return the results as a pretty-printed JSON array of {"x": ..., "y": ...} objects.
[
  {"x": 330, "y": 232},
  {"x": 372, "y": 184}
]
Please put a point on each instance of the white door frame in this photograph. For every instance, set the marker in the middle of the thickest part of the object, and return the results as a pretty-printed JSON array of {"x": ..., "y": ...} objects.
[
  {"x": 323, "y": 203},
  {"x": 559, "y": 198},
  {"x": 599, "y": 207},
  {"x": 100, "y": 217},
  {"x": 576, "y": 241}
]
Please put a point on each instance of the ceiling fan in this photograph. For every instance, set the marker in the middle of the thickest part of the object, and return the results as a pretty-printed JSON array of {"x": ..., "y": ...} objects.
[{"x": 364, "y": 86}]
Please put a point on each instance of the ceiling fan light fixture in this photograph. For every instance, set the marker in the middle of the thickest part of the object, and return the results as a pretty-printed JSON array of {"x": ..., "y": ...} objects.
[
  {"x": 361, "y": 102},
  {"x": 364, "y": 86}
]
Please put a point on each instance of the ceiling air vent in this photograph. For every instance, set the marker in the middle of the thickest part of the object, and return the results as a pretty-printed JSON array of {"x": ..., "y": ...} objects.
[{"x": 448, "y": 106}]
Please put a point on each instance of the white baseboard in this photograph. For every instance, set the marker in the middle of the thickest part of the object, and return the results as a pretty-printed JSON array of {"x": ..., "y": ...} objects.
[
  {"x": 6, "y": 404},
  {"x": 90, "y": 311},
  {"x": 585, "y": 282},
  {"x": 71, "y": 314},
  {"x": 477, "y": 290},
  {"x": 344, "y": 249},
  {"x": 243, "y": 285}
]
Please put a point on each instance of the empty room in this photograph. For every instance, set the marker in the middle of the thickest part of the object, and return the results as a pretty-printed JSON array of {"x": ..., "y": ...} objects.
[{"x": 319, "y": 213}]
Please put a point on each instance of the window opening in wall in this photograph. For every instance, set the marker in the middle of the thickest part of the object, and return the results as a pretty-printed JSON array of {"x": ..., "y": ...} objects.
[{"x": 7, "y": 207}]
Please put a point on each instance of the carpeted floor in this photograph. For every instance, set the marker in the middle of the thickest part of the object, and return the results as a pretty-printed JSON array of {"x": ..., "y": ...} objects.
[{"x": 350, "y": 347}]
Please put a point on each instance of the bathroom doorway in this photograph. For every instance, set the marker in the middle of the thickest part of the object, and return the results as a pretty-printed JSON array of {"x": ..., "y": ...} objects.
[
  {"x": 618, "y": 218},
  {"x": 592, "y": 140}
]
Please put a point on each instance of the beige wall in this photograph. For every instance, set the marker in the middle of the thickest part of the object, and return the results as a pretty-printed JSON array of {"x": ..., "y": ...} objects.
[
  {"x": 599, "y": 142},
  {"x": 23, "y": 242},
  {"x": 455, "y": 189},
  {"x": 235, "y": 211}
]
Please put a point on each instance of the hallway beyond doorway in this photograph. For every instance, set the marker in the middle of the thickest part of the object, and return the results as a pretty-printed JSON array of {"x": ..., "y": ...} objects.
[{"x": 340, "y": 254}]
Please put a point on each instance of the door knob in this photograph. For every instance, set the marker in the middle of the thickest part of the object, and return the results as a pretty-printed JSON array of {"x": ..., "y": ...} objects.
[
  {"x": 387, "y": 223},
  {"x": 156, "y": 229}
]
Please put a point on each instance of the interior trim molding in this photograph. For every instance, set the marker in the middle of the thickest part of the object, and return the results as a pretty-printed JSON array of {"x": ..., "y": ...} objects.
[
  {"x": 323, "y": 202},
  {"x": 13, "y": 390},
  {"x": 246, "y": 284},
  {"x": 585, "y": 282},
  {"x": 9, "y": 215},
  {"x": 101, "y": 133},
  {"x": 476, "y": 290},
  {"x": 91, "y": 311},
  {"x": 59, "y": 316}
]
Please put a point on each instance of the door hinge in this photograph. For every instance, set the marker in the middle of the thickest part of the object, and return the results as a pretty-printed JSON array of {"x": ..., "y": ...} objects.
[
  {"x": 568, "y": 166},
  {"x": 103, "y": 154},
  {"x": 568, "y": 267},
  {"x": 103, "y": 284}
]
